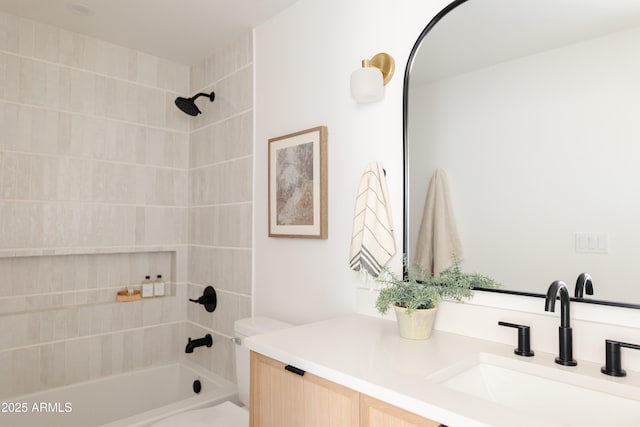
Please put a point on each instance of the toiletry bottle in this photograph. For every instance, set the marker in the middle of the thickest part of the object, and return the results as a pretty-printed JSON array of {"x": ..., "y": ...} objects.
[
  {"x": 147, "y": 287},
  {"x": 158, "y": 286}
]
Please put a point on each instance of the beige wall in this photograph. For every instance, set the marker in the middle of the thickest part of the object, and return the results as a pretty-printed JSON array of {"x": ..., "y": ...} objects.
[
  {"x": 221, "y": 199},
  {"x": 94, "y": 163},
  {"x": 103, "y": 181}
]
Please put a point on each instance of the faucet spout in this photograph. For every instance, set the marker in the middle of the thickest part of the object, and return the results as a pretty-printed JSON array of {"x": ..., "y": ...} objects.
[
  {"x": 584, "y": 284},
  {"x": 565, "y": 335},
  {"x": 559, "y": 287}
]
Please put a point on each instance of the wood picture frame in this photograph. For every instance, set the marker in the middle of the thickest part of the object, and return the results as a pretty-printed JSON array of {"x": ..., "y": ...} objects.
[{"x": 298, "y": 184}]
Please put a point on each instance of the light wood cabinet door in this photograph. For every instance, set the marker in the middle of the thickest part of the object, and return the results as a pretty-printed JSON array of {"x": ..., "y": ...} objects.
[
  {"x": 328, "y": 404},
  {"x": 276, "y": 396},
  {"x": 375, "y": 413},
  {"x": 280, "y": 398}
]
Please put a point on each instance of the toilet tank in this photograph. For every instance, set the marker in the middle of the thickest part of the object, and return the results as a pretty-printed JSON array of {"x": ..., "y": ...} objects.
[{"x": 245, "y": 328}]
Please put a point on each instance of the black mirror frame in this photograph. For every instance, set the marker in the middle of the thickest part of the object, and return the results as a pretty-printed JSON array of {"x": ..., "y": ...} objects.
[{"x": 405, "y": 164}]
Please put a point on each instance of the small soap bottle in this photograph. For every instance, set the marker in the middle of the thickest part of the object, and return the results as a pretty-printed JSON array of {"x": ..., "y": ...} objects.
[
  {"x": 158, "y": 286},
  {"x": 147, "y": 287}
]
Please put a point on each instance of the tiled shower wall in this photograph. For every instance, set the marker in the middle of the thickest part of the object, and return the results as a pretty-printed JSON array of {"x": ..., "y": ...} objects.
[
  {"x": 94, "y": 171},
  {"x": 220, "y": 197}
]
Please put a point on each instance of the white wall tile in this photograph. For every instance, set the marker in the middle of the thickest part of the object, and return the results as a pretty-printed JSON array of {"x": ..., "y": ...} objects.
[
  {"x": 83, "y": 87},
  {"x": 53, "y": 364},
  {"x": 64, "y": 89},
  {"x": 33, "y": 82},
  {"x": 77, "y": 360},
  {"x": 222, "y": 141},
  {"x": 26, "y": 42},
  {"x": 226, "y": 269},
  {"x": 116, "y": 61},
  {"x": 198, "y": 77},
  {"x": 173, "y": 77},
  {"x": 71, "y": 48},
  {"x": 228, "y": 226},
  {"x": 9, "y": 33},
  {"x": 46, "y": 42},
  {"x": 51, "y": 95},
  {"x": 10, "y": 74},
  {"x": 8, "y": 171},
  {"x": 143, "y": 68},
  {"x": 6, "y": 369},
  {"x": 228, "y": 182},
  {"x": 9, "y": 123},
  {"x": 230, "y": 59}
]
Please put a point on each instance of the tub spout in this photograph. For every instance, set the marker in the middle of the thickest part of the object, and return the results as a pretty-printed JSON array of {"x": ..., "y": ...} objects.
[{"x": 207, "y": 340}]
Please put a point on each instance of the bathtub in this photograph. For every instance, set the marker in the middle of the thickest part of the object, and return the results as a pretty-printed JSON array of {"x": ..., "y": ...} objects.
[{"x": 135, "y": 399}]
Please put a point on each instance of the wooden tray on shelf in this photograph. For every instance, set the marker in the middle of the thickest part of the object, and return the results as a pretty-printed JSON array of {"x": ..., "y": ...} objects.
[{"x": 123, "y": 296}]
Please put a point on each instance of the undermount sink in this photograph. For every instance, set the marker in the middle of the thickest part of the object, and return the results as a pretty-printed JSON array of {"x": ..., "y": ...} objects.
[{"x": 553, "y": 393}]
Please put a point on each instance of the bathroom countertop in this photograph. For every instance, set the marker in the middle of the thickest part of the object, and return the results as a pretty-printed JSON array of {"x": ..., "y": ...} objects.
[{"x": 366, "y": 354}]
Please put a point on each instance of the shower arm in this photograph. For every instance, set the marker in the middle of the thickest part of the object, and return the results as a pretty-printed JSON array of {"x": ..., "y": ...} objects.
[{"x": 210, "y": 96}]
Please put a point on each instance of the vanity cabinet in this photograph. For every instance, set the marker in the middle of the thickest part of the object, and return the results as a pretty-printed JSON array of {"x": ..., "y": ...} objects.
[
  {"x": 376, "y": 413},
  {"x": 280, "y": 397}
]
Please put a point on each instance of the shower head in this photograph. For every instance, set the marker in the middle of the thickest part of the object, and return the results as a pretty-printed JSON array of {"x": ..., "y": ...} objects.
[{"x": 188, "y": 105}]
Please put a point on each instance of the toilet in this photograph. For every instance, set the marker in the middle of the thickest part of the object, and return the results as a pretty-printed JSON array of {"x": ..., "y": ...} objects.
[{"x": 228, "y": 414}]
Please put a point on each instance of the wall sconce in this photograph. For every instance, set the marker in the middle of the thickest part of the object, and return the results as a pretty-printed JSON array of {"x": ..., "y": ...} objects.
[{"x": 367, "y": 83}]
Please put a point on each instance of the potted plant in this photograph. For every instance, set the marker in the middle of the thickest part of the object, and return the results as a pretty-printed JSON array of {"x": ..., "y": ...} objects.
[{"x": 415, "y": 298}]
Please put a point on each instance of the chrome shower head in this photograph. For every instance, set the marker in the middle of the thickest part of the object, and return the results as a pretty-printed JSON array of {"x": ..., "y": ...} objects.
[{"x": 188, "y": 105}]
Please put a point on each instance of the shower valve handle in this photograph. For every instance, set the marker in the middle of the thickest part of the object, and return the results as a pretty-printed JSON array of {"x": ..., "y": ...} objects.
[{"x": 209, "y": 299}]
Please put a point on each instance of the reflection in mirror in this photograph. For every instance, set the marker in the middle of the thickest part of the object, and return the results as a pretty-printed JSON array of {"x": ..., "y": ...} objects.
[{"x": 532, "y": 108}]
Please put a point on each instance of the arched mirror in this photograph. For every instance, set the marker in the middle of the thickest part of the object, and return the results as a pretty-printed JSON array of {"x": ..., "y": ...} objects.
[{"x": 532, "y": 108}]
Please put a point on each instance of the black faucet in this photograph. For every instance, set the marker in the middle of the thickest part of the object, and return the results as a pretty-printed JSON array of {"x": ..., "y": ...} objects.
[
  {"x": 583, "y": 284},
  {"x": 564, "y": 331},
  {"x": 207, "y": 340}
]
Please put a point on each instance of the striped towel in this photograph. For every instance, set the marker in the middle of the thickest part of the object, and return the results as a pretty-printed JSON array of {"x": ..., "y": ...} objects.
[{"x": 372, "y": 242}]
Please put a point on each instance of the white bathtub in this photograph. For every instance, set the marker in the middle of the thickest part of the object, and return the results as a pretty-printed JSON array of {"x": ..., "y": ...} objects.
[{"x": 134, "y": 399}]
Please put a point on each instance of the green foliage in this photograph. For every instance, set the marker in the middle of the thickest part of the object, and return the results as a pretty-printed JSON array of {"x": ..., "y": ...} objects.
[{"x": 421, "y": 290}]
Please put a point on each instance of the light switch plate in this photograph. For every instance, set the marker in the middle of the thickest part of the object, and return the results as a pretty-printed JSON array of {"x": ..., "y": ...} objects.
[{"x": 592, "y": 243}]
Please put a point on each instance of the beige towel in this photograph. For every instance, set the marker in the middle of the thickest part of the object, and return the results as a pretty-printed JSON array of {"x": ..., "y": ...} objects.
[
  {"x": 438, "y": 238},
  {"x": 372, "y": 241}
]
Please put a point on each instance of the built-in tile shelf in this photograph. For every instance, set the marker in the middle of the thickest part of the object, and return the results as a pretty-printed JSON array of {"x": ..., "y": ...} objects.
[
  {"x": 72, "y": 299},
  {"x": 31, "y": 252},
  {"x": 68, "y": 278}
]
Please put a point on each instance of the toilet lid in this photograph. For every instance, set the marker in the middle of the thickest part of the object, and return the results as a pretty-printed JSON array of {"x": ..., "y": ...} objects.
[{"x": 224, "y": 415}]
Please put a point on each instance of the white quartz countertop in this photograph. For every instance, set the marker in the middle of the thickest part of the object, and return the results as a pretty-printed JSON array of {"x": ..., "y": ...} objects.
[{"x": 366, "y": 354}]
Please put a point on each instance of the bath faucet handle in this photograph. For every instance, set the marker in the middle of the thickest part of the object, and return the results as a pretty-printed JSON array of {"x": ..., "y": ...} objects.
[
  {"x": 613, "y": 362},
  {"x": 524, "y": 339},
  {"x": 209, "y": 299}
]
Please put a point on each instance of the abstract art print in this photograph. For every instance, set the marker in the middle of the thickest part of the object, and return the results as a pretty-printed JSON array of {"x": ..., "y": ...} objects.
[{"x": 298, "y": 184}]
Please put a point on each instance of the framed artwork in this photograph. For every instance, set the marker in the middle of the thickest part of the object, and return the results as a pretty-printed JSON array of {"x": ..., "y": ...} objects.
[{"x": 298, "y": 184}]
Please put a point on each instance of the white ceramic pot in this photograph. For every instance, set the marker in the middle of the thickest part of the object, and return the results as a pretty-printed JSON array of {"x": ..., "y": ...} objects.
[{"x": 417, "y": 325}]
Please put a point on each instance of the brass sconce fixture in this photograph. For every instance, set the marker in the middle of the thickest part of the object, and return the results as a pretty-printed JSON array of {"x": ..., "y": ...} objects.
[{"x": 367, "y": 83}]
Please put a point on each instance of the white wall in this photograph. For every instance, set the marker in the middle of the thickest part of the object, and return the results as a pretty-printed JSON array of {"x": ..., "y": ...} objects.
[{"x": 303, "y": 61}]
